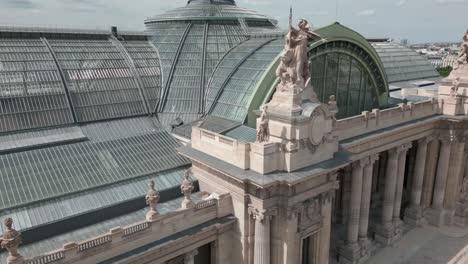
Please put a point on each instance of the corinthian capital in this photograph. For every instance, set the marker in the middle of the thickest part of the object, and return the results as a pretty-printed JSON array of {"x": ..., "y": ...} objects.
[{"x": 260, "y": 214}]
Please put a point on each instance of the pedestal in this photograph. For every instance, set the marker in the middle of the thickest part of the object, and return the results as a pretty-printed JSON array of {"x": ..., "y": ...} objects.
[
  {"x": 350, "y": 254},
  {"x": 385, "y": 234},
  {"x": 286, "y": 103},
  {"x": 152, "y": 215},
  {"x": 461, "y": 214},
  {"x": 436, "y": 217},
  {"x": 414, "y": 216}
]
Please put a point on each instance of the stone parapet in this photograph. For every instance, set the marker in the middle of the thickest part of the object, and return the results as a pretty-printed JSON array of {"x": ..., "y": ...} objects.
[
  {"x": 378, "y": 119},
  {"x": 136, "y": 235}
]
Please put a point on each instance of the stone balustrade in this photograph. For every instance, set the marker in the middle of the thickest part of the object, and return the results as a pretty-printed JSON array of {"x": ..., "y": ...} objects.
[
  {"x": 180, "y": 220},
  {"x": 48, "y": 258},
  {"x": 133, "y": 229},
  {"x": 94, "y": 243},
  {"x": 378, "y": 119}
]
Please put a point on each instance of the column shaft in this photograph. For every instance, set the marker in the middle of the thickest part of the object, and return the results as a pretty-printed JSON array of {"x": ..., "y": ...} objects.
[
  {"x": 355, "y": 203},
  {"x": 400, "y": 181},
  {"x": 262, "y": 239},
  {"x": 365, "y": 201},
  {"x": 419, "y": 173},
  {"x": 429, "y": 174},
  {"x": 390, "y": 184},
  {"x": 441, "y": 176}
]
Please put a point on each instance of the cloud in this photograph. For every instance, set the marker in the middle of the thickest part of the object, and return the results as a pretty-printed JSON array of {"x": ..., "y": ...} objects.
[
  {"x": 21, "y": 4},
  {"x": 366, "y": 12},
  {"x": 320, "y": 13},
  {"x": 450, "y": 1},
  {"x": 401, "y": 2}
]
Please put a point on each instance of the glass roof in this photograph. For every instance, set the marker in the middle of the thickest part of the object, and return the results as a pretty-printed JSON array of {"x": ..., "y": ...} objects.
[
  {"x": 32, "y": 94},
  {"x": 234, "y": 81},
  {"x": 403, "y": 64},
  {"x": 114, "y": 153},
  {"x": 207, "y": 9},
  {"x": 60, "y": 81},
  {"x": 99, "y": 79}
]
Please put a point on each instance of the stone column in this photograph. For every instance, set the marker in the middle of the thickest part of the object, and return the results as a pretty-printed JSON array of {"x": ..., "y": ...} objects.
[
  {"x": 413, "y": 215},
  {"x": 350, "y": 252},
  {"x": 461, "y": 210},
  {"x": 400, "y": 181},
  {"x": 397, "y": 223},
  {"x": 454, "y": 180},
  {"x": 429, "y": 174},
  {"x": 325, "y": 232},
  {"x": 190, "y": 257},
  {"x": 436, "y": 213},
  {"x": 365, "y": 207},
  {"x": 262, "y": 236},
  {"x": 384, "y": 231},
  {"x": 346, "y": 193}
]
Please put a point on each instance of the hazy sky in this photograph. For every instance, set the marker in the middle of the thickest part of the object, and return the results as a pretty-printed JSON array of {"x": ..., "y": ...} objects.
[{"x": 416, "y": 20}]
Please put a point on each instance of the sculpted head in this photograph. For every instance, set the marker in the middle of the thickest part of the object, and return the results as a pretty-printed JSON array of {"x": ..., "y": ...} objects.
[
  {"x": 304, "y": 24},
  {"x": 8, "y": 223}
]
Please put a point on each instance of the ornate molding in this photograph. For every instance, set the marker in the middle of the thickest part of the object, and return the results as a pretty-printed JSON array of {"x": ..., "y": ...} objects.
[
  {"x": 360, "y": 163},
  {"x": 373, "y": 158},
  {"x": 261, "y": 214}
]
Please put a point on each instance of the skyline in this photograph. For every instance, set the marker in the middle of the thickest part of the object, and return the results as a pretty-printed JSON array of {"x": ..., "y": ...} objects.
[{"x": 441, "y": 21}]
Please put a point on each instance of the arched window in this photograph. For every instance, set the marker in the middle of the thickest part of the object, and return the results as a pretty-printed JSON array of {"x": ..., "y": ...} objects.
[{"x": 344, "y": 70}]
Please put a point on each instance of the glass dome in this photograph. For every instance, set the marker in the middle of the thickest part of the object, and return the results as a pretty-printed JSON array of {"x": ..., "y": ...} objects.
[{"x": 191, "y": 41}]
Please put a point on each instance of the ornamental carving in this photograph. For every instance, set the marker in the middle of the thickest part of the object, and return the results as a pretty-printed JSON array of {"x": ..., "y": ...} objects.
[
  {"x": 310, "y": 213},
  {"x": 260, "y": 215},
  {"x": 10, "y": 241}
]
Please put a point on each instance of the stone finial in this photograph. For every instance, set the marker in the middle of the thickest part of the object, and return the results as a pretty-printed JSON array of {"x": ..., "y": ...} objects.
[
  {"x": 186, "y": 188},
  {"x": 10, "y": 241},
  {"x": 263, "y": 130},
  {"x": 152, "y": 198},
  {"x": 332, "y": 105}
]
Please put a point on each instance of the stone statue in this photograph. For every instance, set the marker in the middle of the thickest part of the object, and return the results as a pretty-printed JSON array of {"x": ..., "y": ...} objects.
[
  {"x": 455, "y": 86},
  {"x": 186, "y": 188},
  {"x": 299, "y": 42},
  {"x": 263, "y": 131},
  {"x": 332, "y": 105},
  {"x": 152, "y": 199},
  {"x": 293, "y": 70},
  {"x": 10, "y": 241},
  {"x": 462, "y": 59}
]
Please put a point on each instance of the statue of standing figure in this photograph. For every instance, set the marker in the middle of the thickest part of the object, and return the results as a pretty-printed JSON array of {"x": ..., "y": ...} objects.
[
  {"x": 186, "y": 188},
  {"x": 462, "y": 59},
  {"x": 293, "y": 70},
  {"x": 152, "y": 199},
  {"x": 263, "y": 131},
  {"x": 11, "y": 240}
]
